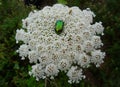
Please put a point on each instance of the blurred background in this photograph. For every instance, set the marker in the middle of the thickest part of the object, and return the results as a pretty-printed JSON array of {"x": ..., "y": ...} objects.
[{"x": 14, "y": 71}]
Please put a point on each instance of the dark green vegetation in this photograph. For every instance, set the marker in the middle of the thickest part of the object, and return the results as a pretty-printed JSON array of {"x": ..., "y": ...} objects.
[{"x": 14, "y": 72}]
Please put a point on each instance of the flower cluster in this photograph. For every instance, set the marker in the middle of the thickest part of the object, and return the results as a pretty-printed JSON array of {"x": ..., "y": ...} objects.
[{"x": 75, "y": 48}]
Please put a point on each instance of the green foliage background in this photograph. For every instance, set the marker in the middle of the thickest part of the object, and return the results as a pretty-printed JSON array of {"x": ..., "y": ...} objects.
[{"x": 14, "y": 72}]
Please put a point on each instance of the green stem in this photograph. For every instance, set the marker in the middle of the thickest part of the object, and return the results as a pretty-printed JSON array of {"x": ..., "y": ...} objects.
[{"x": 45, "y": 82}]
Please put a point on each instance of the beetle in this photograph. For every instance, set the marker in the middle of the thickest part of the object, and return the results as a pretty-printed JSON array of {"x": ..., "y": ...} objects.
[{"x": 59, "y": 26}]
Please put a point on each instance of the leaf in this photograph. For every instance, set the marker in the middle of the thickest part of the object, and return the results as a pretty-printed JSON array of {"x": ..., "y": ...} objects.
[
  {"x": 16, "y": 66},
  {"x": 62, "y": 1}
]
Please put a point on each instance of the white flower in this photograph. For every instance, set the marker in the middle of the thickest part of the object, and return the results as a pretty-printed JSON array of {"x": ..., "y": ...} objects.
[
  {"x": 32, "y": 44},
  {"x": 37, "y": 71},
  {"x": 32, "y": 57},
  {"x": 99, "y": 28},
  {"x": 91, "y": 28},
  {"x": 88, "y": 46},
  {"x": 97, "y": 41},
  {"x": 75, "y": 74},
  {"x": 83, "y": 60},
  {"x": 51, "y": 70},
  {"x": 97, "y": 57},
  {"x": 88, "y": 15},
  {"x": 44, "y": 59},
  {"x": 86, "y": 34},
  {"x": 55, "y": 57},
  {"x": 78, "y": 42},
  {"x": 64, "y": 65},
  {"x": 23, "y": 51},
  {"x": 19, "y": 35}
]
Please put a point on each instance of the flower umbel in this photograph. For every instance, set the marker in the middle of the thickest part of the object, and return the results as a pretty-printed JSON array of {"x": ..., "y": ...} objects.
[{"x": 60, "y": 38}]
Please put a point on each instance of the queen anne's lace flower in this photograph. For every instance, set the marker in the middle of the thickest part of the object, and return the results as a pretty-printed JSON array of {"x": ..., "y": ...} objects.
[
  {"x": 75, "y": 47},
  {"x": 83, "y": 60},
  {"x": 37, "y": 71},
  {"x": 97, "y": 57},
  {"x": 64, "y": 65},
  {"x": 23, "y": 51},
  {"x": 75, "y": 75},
  {"x": 51, "y": 70}
]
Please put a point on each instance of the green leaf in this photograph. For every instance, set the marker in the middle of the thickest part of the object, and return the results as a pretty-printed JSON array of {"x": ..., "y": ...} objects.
[
  {"x": 62, "y": 1},
  {"x": 16, "y": 66}
]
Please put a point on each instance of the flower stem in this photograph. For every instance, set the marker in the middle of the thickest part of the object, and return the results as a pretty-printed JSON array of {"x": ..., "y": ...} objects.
[{"x": 45, "y": 82}]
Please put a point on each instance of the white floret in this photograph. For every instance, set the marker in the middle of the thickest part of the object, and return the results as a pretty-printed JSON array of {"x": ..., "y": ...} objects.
[
  {"x": 97, "y": 57},
  {"x": 37, "y": 71},
  {"x": 23, "y": 51},
  {"x": 64, "y": 65},
  {"x": 51, "y": 70},
  {"x": 75, "y": 75},
  {"x": 83, "y": 60}
]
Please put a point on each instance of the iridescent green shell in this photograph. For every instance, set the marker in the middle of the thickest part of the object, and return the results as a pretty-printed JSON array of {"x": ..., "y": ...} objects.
[{"x": 59, "y": 26}]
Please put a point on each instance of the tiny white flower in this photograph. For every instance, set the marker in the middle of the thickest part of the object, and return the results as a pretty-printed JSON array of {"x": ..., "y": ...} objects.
[
  {"x": 64, "y": 65},
  {"x": 97, "y": 57},
  {"x": 32, "y": 56},
  {"x": 91, "y": 28},
  {"x": 55, "y": 57},
  {"x": 89, "y": 15},
  {"x": 75, "y": 75},
  {"x": 37, "y": 71},
  {"x": 32, "y": 44},
  {"x": 97, "y": 41},
  {"x": 44, "y": 59},
  {"x": 86, "y": 34},
  {"x": 23, "y": 51},
  {"x": 88, "y": 46},
  {"x": 19, "y": 35},
  {"x": 99, "y": 28},
  {"x": 83, "y": 60},
  {"x": 75, "y": 11},
  {"x": 81, "y": 25},
  {"x": 51, "y": 70}
]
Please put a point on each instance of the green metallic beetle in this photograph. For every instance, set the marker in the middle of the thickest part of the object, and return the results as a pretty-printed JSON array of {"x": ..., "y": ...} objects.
[{"x": 59, "y": 26}]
